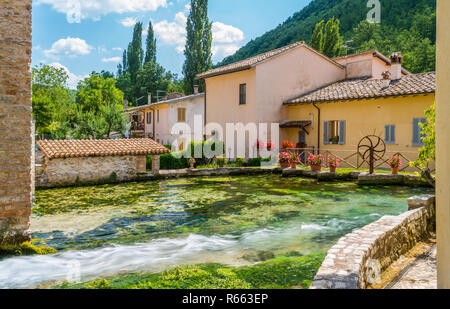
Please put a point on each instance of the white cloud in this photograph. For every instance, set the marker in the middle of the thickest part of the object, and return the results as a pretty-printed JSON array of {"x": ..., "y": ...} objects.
[
  {"x": 117, "y": 48},
  {"x": 224, "y": 50},
  {"x": 95, "y": 9},
  {"x": 226, "y": 34},
  {"x": 128, "y": 22},
  {"x": 226, "y": 38},
  {"x": 70, "y": 47},
  {"x": 73, "y": 78},
  {"x": 112, "y": 59},
  {"x": 173, "y": 33}
]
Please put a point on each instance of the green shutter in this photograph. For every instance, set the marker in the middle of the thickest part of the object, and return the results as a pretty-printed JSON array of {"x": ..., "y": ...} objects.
[
  {"x": 387, "y": 135},
  {"x": 392, "y": 134},
  {"x": 326, "y": 127},
  {"x": 416, "y": 132},
  {"x": 342, "y": 132}
]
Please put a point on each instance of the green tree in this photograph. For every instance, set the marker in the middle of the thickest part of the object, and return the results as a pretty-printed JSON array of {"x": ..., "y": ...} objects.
[
  {"x": 150, "y": 51},
  {"x": 428, "y": 151},
  {"x": 135, "y": 53},
  {"x": 99, "y": 109},
  {"x": 198, "y": 44},
  {"x": 51, "y": 98},
  {"x": 317, "y": 38},
  {"x": 332, "y": 40}
]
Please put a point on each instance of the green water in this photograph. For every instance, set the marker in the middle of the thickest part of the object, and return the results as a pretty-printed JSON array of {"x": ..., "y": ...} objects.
[
  {"x": 149, "y": 227},
  {"x": 266, "y": 213}
]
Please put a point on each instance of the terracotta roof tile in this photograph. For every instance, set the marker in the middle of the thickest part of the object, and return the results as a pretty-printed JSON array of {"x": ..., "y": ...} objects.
[
  {"x": 364, "y": 89},
  {"x": 252, "y": 61},
  {"x": 100, "y": 148}
]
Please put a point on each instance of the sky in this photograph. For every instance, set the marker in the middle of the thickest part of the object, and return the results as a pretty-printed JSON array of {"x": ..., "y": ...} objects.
[{"x": 82, "y": 36}]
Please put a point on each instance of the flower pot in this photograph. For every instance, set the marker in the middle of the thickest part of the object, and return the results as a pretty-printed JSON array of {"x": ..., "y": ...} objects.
[
  {"x": 293, "y": 165},
  {"x": 284, "y": 164},
  {"x": 316, "y": 168},
  {"x": 394, "y": 170},
  {"x": 332, "y": 169}
]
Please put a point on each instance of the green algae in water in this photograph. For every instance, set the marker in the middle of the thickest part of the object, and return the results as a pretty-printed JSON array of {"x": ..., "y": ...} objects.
[
  {"x": 281, "y": 272},
  {"x": 294, "y": 212}
]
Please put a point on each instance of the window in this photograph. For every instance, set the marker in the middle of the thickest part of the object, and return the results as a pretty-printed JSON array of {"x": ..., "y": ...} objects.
[
  {"x": 334, "y": 132},
  {"x": 242, "y": 94},
  {"x": 417, "y": 132},
  {"x": 149, "y": 117},
  {"x": 389, "y": 135},
  {"x": 181, "y": 115},
  {"x": 157, "y": 116}
]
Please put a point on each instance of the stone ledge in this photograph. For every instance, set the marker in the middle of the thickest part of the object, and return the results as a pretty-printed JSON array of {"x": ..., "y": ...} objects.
[
  {"x": 358, "y": 258},
  {"x": 323, "y": 176},
  {"x": 390, "y": 179}
]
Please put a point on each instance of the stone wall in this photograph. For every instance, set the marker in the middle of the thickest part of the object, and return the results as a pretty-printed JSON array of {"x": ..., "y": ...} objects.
[
  {"x": 89, "y": 170},
  {"x": 15, "y": 120},
  {"x": 358, "y": 258}
]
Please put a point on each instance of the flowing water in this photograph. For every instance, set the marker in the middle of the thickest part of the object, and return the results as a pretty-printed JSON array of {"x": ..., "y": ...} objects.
[{"x": 152, "y": 226}]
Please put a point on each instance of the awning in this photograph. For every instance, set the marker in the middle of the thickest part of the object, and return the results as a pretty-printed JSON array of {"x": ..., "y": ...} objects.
[{"x": 295, "y": 124}]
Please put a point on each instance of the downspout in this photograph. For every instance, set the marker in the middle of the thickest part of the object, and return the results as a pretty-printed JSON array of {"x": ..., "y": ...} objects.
[{"x": 318, "y": 128}]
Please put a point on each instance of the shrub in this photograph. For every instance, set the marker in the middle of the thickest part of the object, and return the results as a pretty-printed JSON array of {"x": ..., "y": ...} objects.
[
  {"x": 240, "y": 162},
  {"x": 221, "y": 161}
]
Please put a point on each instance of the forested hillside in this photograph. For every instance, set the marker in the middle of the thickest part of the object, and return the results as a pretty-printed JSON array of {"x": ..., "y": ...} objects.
[{"x": 406, "y": 25}]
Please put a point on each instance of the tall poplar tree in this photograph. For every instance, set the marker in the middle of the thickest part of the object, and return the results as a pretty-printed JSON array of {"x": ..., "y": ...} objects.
[
  {"x": 332, "y": 40},
  {"x": 150, "y": 50},
  {"x": 198, "y": 44},
  {"x": 317, "y": 38},
  {"x": 135, "y": 53}
]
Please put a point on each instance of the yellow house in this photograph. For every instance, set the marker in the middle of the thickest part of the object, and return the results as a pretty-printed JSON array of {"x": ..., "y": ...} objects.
[{"x": 322, "y": 104}]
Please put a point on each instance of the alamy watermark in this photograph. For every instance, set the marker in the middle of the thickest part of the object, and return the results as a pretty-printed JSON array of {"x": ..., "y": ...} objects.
[{"x": 374, "y": 15}]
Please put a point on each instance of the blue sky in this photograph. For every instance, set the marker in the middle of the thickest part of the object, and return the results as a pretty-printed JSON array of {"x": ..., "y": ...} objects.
[{"x": 93, "y": 38}]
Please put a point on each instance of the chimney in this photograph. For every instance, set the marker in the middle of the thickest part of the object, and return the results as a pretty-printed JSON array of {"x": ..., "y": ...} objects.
[
  {"x": 125, "y": 105},
  {"x": 396, "y": 66},
  {"x": 149, "y": 100},
  {"x": 386, "y": 78},
  {"x": 195, "y": 89}
]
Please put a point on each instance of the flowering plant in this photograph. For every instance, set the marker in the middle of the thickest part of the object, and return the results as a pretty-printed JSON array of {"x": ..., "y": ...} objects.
[
  {"x": 287, "y": 145},
  {"x": 333, "y": 161},
  {"x": 295, "y": 158},
  {"x": 315, "y": 160},
  {"x": 270, "y": 145},
  {"x": 284, "y": 157},
  {"x": 395, "y": 162},
  {"x": 221, "y": 161}
]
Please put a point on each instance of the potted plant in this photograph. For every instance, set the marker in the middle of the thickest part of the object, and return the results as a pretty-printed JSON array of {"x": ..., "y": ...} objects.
[
  {"x": 221, "y": 161},
  {"x": 316, "y": 161},
  {"x": 395, "y": 163},
  {"x": 333, "y": 163},
  {"x": 285, "y": 145},
  {"x": 294, "y": 159},
  {"x": 284, "y": 158},
  {"x": 269, "y": 146}
]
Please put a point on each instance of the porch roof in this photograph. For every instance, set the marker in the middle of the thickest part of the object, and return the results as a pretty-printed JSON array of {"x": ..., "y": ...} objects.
[{"x": 295, "y": 124}]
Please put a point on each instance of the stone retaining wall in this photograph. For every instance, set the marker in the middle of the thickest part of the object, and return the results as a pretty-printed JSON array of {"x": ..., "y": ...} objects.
[
  {"x": 90, "y": 170},
  {"x": 358, "y": 258}
]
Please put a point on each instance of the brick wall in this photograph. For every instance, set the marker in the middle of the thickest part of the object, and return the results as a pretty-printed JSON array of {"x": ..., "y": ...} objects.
[{"x": 15, "y": 120}]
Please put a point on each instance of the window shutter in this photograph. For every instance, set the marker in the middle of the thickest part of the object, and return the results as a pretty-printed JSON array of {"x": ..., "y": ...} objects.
[
  {"x": 416, "y": 136},
  {"x": 392, "y": 135},
  {"x": 326, "y": 128},
  {"x": 341, "y": 132},
  {"x": 387, "y": 135}
]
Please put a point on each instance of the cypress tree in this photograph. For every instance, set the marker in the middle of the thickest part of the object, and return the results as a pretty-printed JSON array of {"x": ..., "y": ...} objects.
[
  {"x": 150, "y": 51},
  {"x": 332, "y": 40},
  {"x": 198, "y": 44},
  {"x": 317, "y": 38},
  {"x": 135, "y": 52}
]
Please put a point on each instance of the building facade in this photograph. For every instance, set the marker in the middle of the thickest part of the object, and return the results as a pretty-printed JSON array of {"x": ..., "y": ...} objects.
[{"x": 157, "y": 120}]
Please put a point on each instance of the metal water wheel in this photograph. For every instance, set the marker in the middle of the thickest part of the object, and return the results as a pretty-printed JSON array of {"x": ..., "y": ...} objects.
[{"x": 371, "y": 146}]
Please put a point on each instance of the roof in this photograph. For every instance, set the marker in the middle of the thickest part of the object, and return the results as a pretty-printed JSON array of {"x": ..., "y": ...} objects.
[
  {"x": 295, "y": 124},
  {"x": 355, "y": 89},
  {"x": 258, "y": 59},
  {"x": 171, "y": 101},
  {"x": 375, "y": 53},
  {"x": 100, "y": 148}
]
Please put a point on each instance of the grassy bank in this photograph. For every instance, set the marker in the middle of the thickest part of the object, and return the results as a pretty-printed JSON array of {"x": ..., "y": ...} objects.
[
  {"x": 25, "y": 248},
  {"x": 282, "y": 272}
]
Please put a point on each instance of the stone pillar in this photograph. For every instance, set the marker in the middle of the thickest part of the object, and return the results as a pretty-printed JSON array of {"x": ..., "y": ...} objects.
[
  {"x": 141, "y": 164},
  {"x": 443, "y": 144},
  {"x": 156, "y": 164},
  {"x": 15, "y": 120}
]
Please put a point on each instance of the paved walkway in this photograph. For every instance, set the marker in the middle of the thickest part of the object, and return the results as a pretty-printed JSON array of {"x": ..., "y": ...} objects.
[{"x": 419, "y": 274}]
